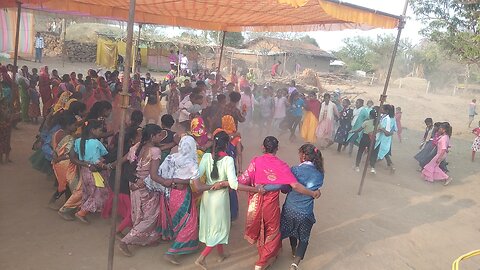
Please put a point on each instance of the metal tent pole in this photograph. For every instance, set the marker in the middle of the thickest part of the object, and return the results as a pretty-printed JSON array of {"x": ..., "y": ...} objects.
[
  {"x": 16, "y": 96},
  {"x": 383, "y": 97},
  {"x": 121, "y": 138}
]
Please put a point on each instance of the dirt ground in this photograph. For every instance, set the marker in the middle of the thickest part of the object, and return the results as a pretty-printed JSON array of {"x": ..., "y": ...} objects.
[{"x": 399, "y": 222}]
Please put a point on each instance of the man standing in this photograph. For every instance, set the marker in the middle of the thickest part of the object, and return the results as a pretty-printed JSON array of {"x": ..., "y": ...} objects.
[
  {"x": 39, "y": 45},
  {"x": 472, "y": 111}
]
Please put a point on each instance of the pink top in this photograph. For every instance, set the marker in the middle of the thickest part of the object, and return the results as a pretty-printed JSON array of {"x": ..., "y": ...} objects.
[
  {"x": 267, "y": 169},
  {"x": 477, "y": 131},
  {"x": 143, "y": 166}
]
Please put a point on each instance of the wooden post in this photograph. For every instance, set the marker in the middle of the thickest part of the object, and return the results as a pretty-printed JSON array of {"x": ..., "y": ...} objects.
[
  {"x": 285, "y": 63},
  {"x": 121, "y": 137},
  {"x": 383, "y": 97},
  {"x": 64, "y": 49},
  {"x": 135, "y": 54},
  {"x": 16, "y": 94},
  {"x": 220, "y": 60}
]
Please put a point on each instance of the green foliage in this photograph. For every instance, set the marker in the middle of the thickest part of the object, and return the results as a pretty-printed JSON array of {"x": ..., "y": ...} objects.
[
  {"x": 355, "y": 53},
  {"x": 309, "y": 39},
  {"x": 452, "y": 24},
  {"x": 232, "y": 39}
]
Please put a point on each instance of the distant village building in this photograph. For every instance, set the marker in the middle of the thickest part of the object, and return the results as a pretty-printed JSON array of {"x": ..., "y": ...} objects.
[{"x": 295, "y": 55}]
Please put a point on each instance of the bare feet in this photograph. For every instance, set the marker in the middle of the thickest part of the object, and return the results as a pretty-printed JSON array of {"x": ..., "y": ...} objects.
[
  {"x": 119, "y": 235},
  {"x": 170, "y": 258},
  {"x": 124, "y": 249},
  {"x": 201, "y": 262},
  {"x": 223, "y": 257}
]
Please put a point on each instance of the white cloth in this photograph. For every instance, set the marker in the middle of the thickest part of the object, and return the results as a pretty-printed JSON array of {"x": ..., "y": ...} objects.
[
  {"x": 183, "y": 165},
  {"x": 328, "y": 111},
  {"x": 184, "y": 115},
  {"x": 280, "y": 107},
  {"x": 184, "y": 62}
]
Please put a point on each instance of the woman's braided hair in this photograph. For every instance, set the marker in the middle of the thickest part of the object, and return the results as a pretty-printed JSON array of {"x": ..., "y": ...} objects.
[
  {"x": 221, "y": 141},
  {"x": 313, "y": 154}
]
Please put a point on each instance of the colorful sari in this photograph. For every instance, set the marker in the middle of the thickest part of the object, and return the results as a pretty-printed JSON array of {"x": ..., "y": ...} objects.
[
  {"x": 263, "y": 216},
  {"x": 145, "y": 203},
  {"x": 65, "y": 170},
  {"x": 45, "y": 90},
  {"x": 179, "y": 221}
]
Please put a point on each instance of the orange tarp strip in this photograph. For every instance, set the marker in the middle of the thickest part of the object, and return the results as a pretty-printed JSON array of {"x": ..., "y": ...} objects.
[
  {"x": 350, "y": 14},
  {"x": 227, "y": 15}
]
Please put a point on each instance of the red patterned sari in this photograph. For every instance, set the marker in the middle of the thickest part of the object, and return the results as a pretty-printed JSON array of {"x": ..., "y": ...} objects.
[{"x": 263, "y": 216}]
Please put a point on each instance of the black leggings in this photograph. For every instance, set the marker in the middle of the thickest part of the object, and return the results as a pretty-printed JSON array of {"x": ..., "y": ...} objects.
[
  {"x": 299, "y": 247},
  {"x": 295, "y": 122},
  {"x": 364, "y": 144}
]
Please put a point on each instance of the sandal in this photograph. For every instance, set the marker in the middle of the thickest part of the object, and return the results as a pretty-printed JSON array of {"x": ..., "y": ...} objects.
[
  {"x": 65, "y": 216},
  {"x": 293, "y": 266},
  {"x": 171, "y": 259},
  {"x": 81, "y": 218},
  {"x": 124, "y": 249},
  {"x": 448, "y": 181}
]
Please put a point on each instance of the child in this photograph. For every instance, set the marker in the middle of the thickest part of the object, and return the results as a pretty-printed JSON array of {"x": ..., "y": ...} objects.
[
  {"x": 5, "y": 131},
  {"x": 345, "y": 125},
  {"x": 297, "y": 216},
  {"x": 366, "y": 137},
  {"x": 87, "y": 153},
  {"x": 428, "y": 131},
  {"x": 476, "y": 141},
  {"x": 398, "y": 120},
  {"x": 433, "y": 171}
]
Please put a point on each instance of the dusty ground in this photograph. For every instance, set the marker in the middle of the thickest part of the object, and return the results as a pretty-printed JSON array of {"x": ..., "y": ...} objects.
[{"x": 399, "y": 222}]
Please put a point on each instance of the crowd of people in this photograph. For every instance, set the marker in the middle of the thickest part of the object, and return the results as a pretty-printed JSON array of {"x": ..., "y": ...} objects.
[{"x": 182, "y": 164}]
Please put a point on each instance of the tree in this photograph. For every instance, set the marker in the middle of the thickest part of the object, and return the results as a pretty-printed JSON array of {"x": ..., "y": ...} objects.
[
  {"x": 453, "y": 24},
  {"x": 354, "y": 53},
  {"x": 373, "y": 55},
  {"x": 232, "y": 39},
  {"x": 309, "y": 39}
]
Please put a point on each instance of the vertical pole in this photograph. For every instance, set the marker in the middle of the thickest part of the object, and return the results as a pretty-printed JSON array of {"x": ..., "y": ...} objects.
[
  {"x": 135, "y": 54},
  {"x": 16, "y": 95},
  {"x": 383, "y": 97},
  {"x": 221, "y": 54},
  {"x": 121, "y": 138},
  {"x": 64, "y": 49}
]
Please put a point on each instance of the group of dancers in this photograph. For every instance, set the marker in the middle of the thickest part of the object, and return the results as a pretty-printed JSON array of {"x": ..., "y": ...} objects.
[
  {"x": 182, "y": 186},
  {"x": 179, "y": 187}
]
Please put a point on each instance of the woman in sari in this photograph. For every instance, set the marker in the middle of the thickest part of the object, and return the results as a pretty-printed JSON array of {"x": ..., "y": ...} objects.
[
  {"x": 45, "y": 90},
  {"x": 214, "y": 210},
  {"x": 310, "y": 121},
  {"x": 65, "y": 171},
  {"x": 328, "y": 113},
  {"x": 179, "y": 220},
  {"x": 23, "y": 85},
  {"x": 204, "y": 143},
  {"x": 263, "y": 217},
  {"x": 145, "y": 201}
]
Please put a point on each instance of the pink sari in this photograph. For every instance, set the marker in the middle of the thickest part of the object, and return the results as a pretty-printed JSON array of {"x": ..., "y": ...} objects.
[{"x": 263, "y": 216}]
